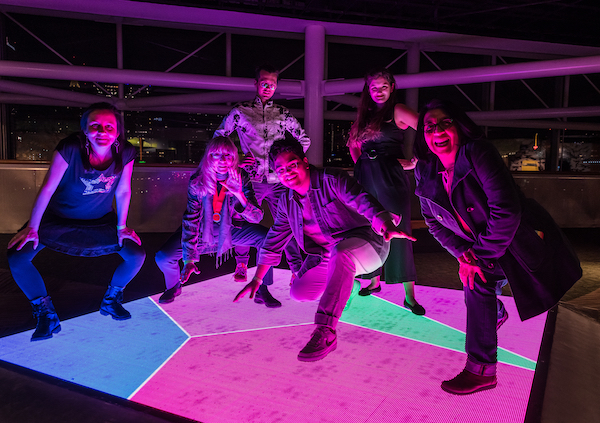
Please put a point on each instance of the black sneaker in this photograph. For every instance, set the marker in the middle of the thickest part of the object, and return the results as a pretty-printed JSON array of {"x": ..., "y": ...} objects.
[
  {"x": 169, "y": 295},
  {"x": 323, "y": 341},
  {"x": 263, "y": 296}
]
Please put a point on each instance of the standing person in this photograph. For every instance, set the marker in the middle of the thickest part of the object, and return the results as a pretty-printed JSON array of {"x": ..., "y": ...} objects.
[
  {"x": 475, "y": 210},
  {"x": 375, "y": 143},
  {"x": 221, "y": 213},
  {"x": 342, "y": 229},
  {"x": 73, "y": 214},
  {"x": 258, "y": 124}
]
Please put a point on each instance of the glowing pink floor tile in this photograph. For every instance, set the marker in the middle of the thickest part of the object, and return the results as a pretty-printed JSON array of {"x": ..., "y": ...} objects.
[{"x": 240, "y": 363}]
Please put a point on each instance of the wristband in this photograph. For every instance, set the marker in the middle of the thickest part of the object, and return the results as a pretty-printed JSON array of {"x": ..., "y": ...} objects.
[
  {"x": 257, "y": 279},
  {"x": 119, "y": 227}
]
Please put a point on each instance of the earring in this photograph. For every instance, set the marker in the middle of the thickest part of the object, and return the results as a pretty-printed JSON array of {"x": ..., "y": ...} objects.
[
  {"x": 87, "y": 146},
  {"x": 116, "y": 144}
]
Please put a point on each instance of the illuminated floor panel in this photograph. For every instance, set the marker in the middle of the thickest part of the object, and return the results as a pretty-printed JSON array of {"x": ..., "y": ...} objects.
[{"x": 208, "y": 359}]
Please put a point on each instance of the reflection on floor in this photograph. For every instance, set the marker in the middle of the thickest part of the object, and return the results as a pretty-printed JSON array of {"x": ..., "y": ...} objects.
[{"x": 205, "y": 358}]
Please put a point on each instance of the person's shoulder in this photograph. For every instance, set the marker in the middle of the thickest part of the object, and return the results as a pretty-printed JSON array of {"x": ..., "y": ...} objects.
[
  {"x": 129, "y": 152},
  {"x": 72, "y": 142},
  {"x": 70, "y": 146}
]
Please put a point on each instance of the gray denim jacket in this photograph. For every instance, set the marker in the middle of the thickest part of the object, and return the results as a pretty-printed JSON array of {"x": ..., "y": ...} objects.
[{"x": 340, "y": 206}]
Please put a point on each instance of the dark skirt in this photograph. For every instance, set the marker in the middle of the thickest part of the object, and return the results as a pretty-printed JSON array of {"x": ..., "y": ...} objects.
[
  {"x": 84, "y": 238},
  {"x": 385, "y": 179}
]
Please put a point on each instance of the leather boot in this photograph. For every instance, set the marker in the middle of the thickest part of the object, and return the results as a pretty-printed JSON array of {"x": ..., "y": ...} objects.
[
  {"x": 47, "y": 319},
  {"x": 263, "y": 296},
  {"x": 111, "y": 304}
]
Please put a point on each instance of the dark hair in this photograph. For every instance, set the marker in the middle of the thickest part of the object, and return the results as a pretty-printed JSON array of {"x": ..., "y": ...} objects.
[
  {"x": 288, "y": 144},
  {"x": 116, "y": 151},
  {"x": 467, "y": 129},
  {"x": 267, "y": 68},
  {"x": 370, "y": 116}
]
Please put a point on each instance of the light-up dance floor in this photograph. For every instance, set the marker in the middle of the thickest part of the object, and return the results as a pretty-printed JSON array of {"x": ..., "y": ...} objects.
[{"x": 208, "y": 359}]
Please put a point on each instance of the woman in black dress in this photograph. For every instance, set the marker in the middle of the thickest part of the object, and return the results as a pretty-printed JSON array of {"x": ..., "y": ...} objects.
[{"x": 375, "y": 143}]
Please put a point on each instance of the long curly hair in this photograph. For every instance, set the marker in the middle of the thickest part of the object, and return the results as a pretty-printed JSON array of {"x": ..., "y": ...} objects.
[
  {"x": 370, "y": 116},
  {"x": 468, "y": 130},
  {"x": 207, "y": 173}
]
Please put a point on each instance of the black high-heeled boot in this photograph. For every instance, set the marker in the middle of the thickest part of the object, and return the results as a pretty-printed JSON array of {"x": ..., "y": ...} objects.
[
  {"x": 111, "y": 304},
  {"x": 47, "y": 319}
]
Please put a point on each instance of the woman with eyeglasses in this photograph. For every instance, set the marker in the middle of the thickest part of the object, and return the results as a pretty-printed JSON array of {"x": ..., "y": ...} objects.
[
  {"x": 73, "y": 214},
  {"x": 376, "y": 146},
  {"x": 475, "y": 210},
  {"x": 221, "y": 213}
]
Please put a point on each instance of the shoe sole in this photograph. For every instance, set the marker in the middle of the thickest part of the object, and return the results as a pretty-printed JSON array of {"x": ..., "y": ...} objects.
[
  {"x": 501, "y": 321},
  {"x": 322, "y": 354},
  {"x": 240, "y": 279},
  {"x": 483, "y": 388},
  {"x": 41, "y": 338},
  {"x": 106, "y": 313},
  {"x": 261, "y": 301},
  {"x": 170, "y": 300}
]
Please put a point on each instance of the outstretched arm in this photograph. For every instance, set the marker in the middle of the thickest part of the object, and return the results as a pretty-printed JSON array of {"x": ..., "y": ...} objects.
[
  {"x": 57, "y": 169},
  {"x": 123, "y": 198}
]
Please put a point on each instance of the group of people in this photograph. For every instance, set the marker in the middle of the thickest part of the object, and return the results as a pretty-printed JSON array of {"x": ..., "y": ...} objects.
[{"x": 334, "y": 229}]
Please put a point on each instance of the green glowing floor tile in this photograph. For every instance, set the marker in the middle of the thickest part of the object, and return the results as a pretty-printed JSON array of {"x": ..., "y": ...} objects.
[{"x": 375, "y": 313}]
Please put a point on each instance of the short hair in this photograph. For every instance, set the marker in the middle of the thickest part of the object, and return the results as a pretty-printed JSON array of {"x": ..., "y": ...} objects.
[
  {"x": 267, "y": 68},
  {"x": 287, "y": 145},
  {"x": 467, "y": 129}
]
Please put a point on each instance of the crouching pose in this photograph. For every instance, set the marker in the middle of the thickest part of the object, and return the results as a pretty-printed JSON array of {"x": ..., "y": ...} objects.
[
  {"x": 475, "y": 210},
  {"x": 342, "y": 229},
  {"x": 73, "y": 214},
  {"x": 221, "y": 213}
]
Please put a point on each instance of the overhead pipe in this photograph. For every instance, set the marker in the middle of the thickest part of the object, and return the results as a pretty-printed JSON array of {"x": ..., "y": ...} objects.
[
  {"x": 53, "y": 93},
  {"x": 213, "y": 97},
  {"x": 558, "y": 112},
  {"x": 527, "y": 70},
  {"x": 127, "y": 76},
  {"x": 346, "y": 99}
]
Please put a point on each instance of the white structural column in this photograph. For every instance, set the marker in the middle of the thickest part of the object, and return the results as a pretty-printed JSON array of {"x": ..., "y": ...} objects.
[
  {"x": 413, "y": 65},
  {"x": 314, "y": 69}
]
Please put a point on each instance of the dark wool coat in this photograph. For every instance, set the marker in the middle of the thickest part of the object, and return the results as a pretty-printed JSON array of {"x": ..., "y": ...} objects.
[{"x": 510, "y": 233}]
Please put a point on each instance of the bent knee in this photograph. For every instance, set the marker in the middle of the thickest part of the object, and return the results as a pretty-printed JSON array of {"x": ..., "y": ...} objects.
[{"x": 303, "y": 295}]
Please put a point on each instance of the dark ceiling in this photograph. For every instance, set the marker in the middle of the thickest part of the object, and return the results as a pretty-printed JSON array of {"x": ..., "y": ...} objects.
[{"x": 556, "y": 21}]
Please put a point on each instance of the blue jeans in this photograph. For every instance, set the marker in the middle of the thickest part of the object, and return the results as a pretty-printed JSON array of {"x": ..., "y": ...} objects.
[
  {"x": 271, "y": 193},
  {"x": 483, "y": 312},
  {"x": 167, "y": 259},
  {"x": 31, "y": 283}
]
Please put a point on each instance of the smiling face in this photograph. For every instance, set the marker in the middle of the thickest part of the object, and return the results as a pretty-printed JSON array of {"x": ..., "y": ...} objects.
[
  {"x": 101, "y": 128},
  {"x": 441, "y": 136},
  {"x": 266, "y": 84},
  {"x": 293, "y": 172},
  {"x": 380, "y": 90},
  {"x": 221, "y": 160}
]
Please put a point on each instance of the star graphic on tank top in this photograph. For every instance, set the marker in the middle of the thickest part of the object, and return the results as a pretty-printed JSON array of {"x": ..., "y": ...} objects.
[{"x": 100, "y": 185}]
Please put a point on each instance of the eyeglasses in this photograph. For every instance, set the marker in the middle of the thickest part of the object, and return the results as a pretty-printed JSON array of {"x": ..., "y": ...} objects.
[
  {"x": 265, "y": 85},
  {"x": 429, "y": 128},
  {"x": 283, "y": 169},
  {"x": 218, "y": 156}
]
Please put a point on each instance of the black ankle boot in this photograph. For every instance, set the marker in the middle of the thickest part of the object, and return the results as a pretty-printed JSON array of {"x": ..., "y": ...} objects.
[
  {"x": 263, "y": 296},
  {"x": 169, "y": 295},
  {"x": 111, "y": 304},
  {"x": 47, "y": 319}
]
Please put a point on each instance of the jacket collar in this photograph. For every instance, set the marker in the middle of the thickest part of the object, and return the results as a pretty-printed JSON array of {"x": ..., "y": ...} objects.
[
  {"x": 430, "y": 184},
  {"x": 258, "y": 102}
]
